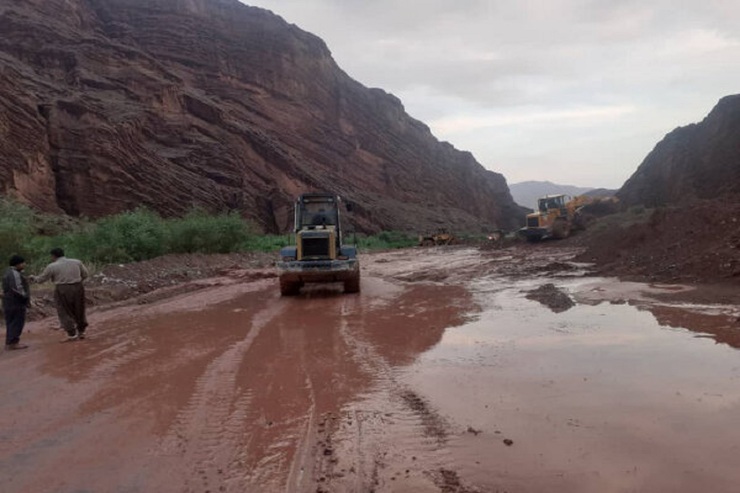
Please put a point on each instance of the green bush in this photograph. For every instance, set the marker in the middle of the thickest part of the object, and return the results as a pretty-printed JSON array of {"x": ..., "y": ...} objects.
[
  {"x": 199, "y": 232},
  {"x": 142, "y": 234},
  {"x": 16, "y": 227},
  {"x": 136, "y": 235},
  {"x": 267, "y": 243},
  {"x": 385, "y": 240},
  {"x": 130, "y": 236}
]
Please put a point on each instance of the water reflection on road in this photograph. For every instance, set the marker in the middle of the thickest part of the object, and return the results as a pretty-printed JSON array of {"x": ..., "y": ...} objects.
[{"x": 603, "y": 397}]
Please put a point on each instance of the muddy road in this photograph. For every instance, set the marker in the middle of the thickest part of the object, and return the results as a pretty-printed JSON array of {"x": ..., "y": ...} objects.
[{"x": 454, "y": 370}]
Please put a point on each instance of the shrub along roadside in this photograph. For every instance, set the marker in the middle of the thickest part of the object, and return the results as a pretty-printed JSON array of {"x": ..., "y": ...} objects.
[
  {"x": 16, "y": 227},
  {"x": 130, "y": 236},
  {"x": 384, "y": 240},
  {"x": 142, "y": 234}
]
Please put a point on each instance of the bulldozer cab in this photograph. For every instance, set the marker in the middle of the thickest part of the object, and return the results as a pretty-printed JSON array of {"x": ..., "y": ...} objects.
[
  {"x": 316, "y": 211},
  {"x": 554, "y": 205},
  {"x": 552, "y": 202},
  {"x": 317, "y": 221}
]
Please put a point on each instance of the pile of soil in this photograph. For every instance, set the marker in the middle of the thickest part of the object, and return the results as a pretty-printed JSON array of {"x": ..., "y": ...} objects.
[
  {"x": 168, "y": 274},
  {"x": 696, "y": 243},
  {"x": 555, "y": 299},
  {"x": 143, "y": 277}
]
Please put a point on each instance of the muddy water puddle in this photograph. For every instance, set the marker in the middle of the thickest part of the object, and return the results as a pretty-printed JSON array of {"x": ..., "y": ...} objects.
[{"x": 602, "y": 397}]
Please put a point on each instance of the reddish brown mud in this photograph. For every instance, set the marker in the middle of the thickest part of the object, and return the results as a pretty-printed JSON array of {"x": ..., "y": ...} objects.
[{"x": 440, "y": 376}]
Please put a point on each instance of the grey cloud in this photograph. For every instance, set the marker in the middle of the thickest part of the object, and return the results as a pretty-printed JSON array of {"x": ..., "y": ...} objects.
[{"x": 449, "y": 59}]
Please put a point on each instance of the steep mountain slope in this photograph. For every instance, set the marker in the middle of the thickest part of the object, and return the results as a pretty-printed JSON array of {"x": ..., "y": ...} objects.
[
  {"x": 106, "y": 105},
  {"x": 699, "y": 161},
  {"x": 601, "y": 192},
  {"x": 526, "y": 193},
  {"x": 692, "y": 179}
]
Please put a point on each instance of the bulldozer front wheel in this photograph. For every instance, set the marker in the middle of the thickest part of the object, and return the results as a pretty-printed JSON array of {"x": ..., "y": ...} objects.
[
  {"x": 352, "y": 285},
  {"x": 560, "y": 229},
  {"x": 289, "y": 288}
]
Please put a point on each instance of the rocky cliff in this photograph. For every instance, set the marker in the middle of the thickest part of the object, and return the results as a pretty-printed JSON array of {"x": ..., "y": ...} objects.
[
  {"x": 699, "y": 161},
  {"x": 106, "y": 105}
]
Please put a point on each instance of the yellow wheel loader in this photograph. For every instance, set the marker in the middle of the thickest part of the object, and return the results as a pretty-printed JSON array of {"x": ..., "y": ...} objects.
[
  {"x": 556, "y": 216},
  {"x": 441, "y": 237},
  {"x": 319, "y": 254}
]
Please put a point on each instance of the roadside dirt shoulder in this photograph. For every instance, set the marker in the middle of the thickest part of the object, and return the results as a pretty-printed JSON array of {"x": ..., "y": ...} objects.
[
  {"x": 156, "y": 279},
  {"x": 696, "y": 243}
]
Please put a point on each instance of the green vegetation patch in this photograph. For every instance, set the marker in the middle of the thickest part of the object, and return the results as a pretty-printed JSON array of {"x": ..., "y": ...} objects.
[
  {"x": 142, "y": 234},
  {"x": 385, "y": 240},
  {"x": 130, "y": 236}
]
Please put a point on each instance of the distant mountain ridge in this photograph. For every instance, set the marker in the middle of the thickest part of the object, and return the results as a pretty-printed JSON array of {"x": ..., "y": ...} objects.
[
  {"x": 601, "y": 192},
  {"x": 526, "y": 193}
]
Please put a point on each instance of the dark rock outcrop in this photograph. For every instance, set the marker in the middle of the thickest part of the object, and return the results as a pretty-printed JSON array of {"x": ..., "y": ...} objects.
[
  {"x": 106, "y": 105},
  {"x": 699, "y": 161}
]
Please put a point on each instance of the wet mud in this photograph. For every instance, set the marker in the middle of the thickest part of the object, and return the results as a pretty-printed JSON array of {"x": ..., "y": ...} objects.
[
  {"x": 442, "y": 375},
  {"x": 553, "y": 298}
]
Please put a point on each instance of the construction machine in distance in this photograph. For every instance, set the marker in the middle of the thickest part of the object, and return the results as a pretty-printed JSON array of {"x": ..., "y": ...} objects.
[
  {"x": 441, "y": 237},
  {"x": 319, "y": 253},
  {"x": 556, "y": 216}
]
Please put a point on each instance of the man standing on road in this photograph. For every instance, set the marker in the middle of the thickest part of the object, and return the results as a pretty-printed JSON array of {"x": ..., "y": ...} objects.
[
  {"x": 69, "y": 294},
  {"x": 16, "y": 300}
]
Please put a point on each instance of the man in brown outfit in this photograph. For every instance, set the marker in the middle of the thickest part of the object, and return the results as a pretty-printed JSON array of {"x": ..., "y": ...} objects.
[{"x": 69, "y": 294}]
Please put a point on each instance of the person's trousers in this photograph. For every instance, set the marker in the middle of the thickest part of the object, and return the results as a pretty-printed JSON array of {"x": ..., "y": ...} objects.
[
  {"x": 15, "y": 319},
  {"x": 70, "y": 301}
]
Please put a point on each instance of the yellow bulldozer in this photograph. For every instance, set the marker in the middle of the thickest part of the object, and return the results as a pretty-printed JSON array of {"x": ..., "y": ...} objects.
[
  {"x": 441, "y": 237},
  {"x": 556, "y": 216}
]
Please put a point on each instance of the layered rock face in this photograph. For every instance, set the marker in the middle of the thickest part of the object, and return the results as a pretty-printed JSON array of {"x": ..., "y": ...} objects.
[
  {"x": 106, "y": 105},
  {"x": 699, "y": 161}
]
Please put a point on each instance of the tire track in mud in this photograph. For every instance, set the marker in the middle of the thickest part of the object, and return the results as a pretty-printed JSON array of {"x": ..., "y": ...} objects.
[
  {"x": 314, "y": 454},
  {"x": 205, "y": 435},
  {"x": 305, "y": 446},
  {"x": 314, "y": 461},
  {"x": 292, "y": 359},
  {"x": 121, "y": 356},
  {"x": 392, "y": 438}
]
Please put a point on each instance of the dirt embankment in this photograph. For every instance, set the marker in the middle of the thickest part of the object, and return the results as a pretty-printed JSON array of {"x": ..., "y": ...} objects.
[
  {"x": 698, "y": 243},
  {"x": 552, "y": 297},
  {"x": 162, "y": 277}
]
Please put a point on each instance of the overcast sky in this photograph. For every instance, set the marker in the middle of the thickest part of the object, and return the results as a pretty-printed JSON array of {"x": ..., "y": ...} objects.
[{"x": 572, "y": 91}]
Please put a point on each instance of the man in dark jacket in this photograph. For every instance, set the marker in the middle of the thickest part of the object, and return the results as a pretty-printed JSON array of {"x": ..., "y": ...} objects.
[{"x": 16, "y": 300}]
